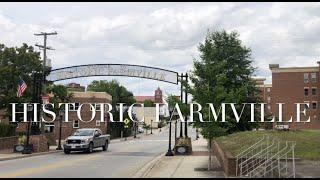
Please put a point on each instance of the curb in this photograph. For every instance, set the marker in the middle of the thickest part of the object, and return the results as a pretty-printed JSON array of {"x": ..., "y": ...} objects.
[
  {"x": 29, "y": 155},
  {"x": 144, "y": 171}
]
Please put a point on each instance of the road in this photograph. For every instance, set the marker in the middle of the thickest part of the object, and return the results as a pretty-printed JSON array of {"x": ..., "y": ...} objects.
[{"x": 123, "y": 159}]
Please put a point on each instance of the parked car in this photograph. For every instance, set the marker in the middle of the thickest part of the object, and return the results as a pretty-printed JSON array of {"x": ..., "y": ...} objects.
[
  {"x": 140, "y": 130},
  {"x": 86, "y": 140}
]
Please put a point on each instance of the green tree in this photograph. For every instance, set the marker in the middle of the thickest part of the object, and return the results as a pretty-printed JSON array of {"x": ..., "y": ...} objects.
[
  {"x": 60, "y": 95},
  {"x": 14, "y": 62},
  {"x": 223, "y": 74},
  {"x": 119, "y": 95},
  {"x": 148, "y": 103}
]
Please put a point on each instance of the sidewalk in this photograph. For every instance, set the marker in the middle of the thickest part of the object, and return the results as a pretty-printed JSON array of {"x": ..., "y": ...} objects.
[
  {"x": 8, "y": 154},
  {"x": 192, "y": 166}
]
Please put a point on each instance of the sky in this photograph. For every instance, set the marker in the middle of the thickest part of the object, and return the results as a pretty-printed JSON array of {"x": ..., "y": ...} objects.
[{"x": 164, "y": 35}]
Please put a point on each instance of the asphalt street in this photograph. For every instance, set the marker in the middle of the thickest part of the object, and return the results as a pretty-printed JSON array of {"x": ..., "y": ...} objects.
[{"x": 123, "y": 159}]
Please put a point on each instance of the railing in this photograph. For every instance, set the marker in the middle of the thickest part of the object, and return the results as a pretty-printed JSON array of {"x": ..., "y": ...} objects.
[{"x": 266, "y": 159}]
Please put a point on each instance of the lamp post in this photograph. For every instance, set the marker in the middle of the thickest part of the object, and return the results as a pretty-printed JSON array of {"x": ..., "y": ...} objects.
[
  {"x": 175, "y": 130},
  {"x": 151, "y": 126},
  {"x": 197, "y": 134},
  {"x": 170, "y": 153},
  {"x": 134, "y": 130},
  {"x": 61, "y": 113},
  {"x": 27, "y": 149}
]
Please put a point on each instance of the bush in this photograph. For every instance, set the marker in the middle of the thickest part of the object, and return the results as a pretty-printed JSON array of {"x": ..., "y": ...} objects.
[
  {"x": 22, "y": 140},
  {"x": 7, "y": 130}
]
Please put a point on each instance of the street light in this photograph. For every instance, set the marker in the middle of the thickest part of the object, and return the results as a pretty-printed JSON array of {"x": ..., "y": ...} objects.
[
  {"x": 151, "y": 126},
  {"x": 197, "y": 134},
  {"x": 175, "y": 130},
  {"x": 61, "y": 113},
  {"x": 170, "y": 153},
  {"x": 135, "y": 130},
  {"x": 27, "y": 149}
]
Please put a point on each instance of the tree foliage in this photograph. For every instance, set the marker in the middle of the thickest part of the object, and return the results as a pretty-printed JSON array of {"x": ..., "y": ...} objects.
[
  {"x": 148, "y": 103},
  {"x": 15, "y": 62},
  {"x": 223, "y": 74},
  {"x": 119, "y": 95},
  {"x": 60, "y": 95}
]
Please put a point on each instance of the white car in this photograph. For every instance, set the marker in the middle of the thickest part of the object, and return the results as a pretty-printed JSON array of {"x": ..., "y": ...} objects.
[{"x": 140, "y": 130}]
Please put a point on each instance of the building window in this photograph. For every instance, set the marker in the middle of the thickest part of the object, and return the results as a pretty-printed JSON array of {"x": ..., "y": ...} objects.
[
  {"x": 269, "y": 99},
  {"x": 76, "y": 124},
  {"x": 306, "y": 77},
  {"x": 98, "y": 122},
  {"x": 96, "y": 107},
  {"x": 48, "y": 127},
  {"x": 75, "y": 107},
  {"x": 313, "y": 77},
  {"x": 314, "y": 105},
  {"x": 268, "y": 89},
  {"x": 314, "y": 91},
  {"x": 306, "y": 91},
  {"x": 269, "y": 107}
]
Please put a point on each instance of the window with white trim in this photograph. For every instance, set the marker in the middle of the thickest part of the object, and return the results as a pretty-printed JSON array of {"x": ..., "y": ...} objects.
[
  {"x": 306, "y": 91},
  {"x": 96, "y": 107},
  {"x": 49, "y": 127},
  {"x": 314, "y": 91},
  {"x": 75, "y": 107},
  {"x": 306, "y": 77},
  {"x": 268, "y": 89},
  {"x": 314, "y": 77},
  {"x": 76, "y": 124}
]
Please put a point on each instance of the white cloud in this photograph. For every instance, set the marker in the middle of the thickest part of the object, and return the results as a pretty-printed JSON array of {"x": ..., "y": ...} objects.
[{"x": 165, "y": 35}]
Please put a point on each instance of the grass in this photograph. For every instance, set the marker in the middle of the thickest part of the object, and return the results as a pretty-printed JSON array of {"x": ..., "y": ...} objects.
[{"x": 307, "y": 142}]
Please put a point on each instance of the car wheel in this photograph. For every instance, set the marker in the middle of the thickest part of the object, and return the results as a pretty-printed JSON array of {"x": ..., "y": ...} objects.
[
  {"x": 105, "y": 147},
  {"x": 66, "y": 151},
  {"x": 90, "y": 149}
]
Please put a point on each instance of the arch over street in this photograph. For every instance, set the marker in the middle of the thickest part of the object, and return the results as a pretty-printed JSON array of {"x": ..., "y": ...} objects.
[{"x": 128, "y": 70}]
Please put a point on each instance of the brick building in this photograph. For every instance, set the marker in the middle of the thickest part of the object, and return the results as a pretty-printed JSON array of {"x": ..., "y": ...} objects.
[
  {"x": 296, "y": 85},
  {"x": 74, "y": 123},
  {"x": 149, "y": 113},
  {"x": 75, "y": 87},
  {"x": 265, "y": 93},
  {"x": 86, "y": 111},
  {"x": 156, "y": 98}
]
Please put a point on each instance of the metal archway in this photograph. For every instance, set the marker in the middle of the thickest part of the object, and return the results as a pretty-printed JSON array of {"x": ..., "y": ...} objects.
[{"x": 128, "y": 70}]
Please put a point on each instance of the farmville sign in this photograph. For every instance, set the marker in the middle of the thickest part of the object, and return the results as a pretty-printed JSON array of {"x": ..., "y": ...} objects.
[
  {"x": 114, "y": 70},
  {"x": 195, "y": 109}
]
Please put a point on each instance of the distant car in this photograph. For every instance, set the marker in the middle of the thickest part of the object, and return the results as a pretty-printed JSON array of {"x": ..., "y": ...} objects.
[
  {"x": 86, "y": 140},
  {"x": 140, "y": 130}
]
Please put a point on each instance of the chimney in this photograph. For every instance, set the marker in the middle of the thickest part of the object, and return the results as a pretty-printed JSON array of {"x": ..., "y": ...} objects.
[{"x": 273, "y": 66}]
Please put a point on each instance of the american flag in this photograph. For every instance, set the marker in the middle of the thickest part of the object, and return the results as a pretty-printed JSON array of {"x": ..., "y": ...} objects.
[{"x": 22, "y": 86}]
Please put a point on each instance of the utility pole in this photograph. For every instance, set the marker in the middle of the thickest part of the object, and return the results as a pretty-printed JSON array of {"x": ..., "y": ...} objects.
[
  {"x": 44, "y": 48},
  {"x": 181, "y": 99},
  {"x": 186, "y": 102}
]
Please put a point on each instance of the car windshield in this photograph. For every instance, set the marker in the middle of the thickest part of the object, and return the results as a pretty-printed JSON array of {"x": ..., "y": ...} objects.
[{"x": 83, "y": 133}]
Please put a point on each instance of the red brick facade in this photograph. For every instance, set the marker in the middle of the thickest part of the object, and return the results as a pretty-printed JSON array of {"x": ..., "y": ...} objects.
[
  {"x": 74, "y": 123},
  {"x": 296, "y": 85}
]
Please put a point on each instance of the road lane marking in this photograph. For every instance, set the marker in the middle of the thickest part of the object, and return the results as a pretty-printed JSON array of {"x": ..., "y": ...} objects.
[{"x": 35, "y": 170}]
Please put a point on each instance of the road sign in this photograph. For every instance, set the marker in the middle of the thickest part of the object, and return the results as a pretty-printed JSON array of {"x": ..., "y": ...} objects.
[{"x": 126, "y": 123}]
